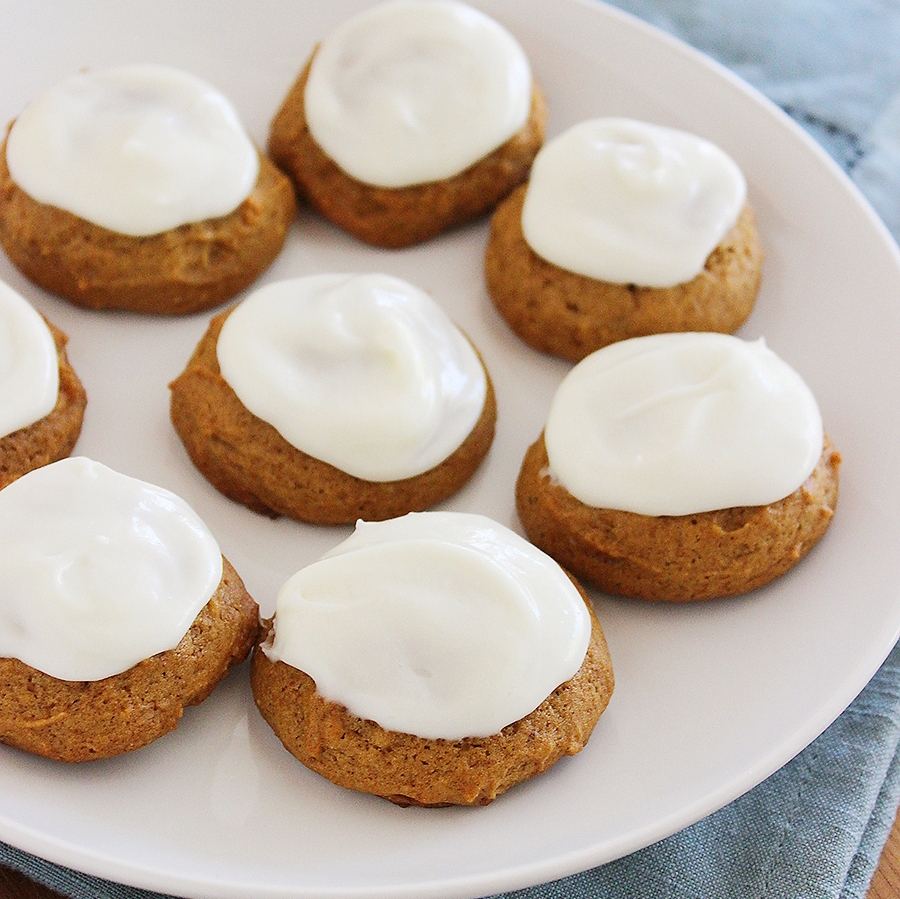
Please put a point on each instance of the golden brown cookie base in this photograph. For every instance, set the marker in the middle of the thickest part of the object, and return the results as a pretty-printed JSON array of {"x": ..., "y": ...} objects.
[
  {"x": 409, "y": 770},
  {"x": 685, "y": 557},
  {"x": 247, "y": 460},
  {"x": 186, "y": 269},
  {"x": 75, "y": 721},
  {"x": 54, "y": 436},
  {"x": 570, "y": 315},
  {"x": 398, "y": 217}
]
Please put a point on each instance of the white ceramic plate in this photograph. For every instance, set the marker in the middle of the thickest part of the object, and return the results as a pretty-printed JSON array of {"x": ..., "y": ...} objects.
[{"x": 710, "y": 699}]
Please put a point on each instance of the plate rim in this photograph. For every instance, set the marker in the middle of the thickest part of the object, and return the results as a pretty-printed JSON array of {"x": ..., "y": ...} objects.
[{"x": 36, "y": 843}]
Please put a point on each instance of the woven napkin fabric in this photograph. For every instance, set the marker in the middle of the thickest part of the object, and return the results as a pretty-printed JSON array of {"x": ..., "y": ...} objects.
[{"x": 816, "y": 828}]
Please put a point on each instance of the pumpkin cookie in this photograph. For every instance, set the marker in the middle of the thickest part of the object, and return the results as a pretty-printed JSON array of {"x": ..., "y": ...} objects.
[
  {"x": 572, "y": 267},
  {"x": 345, "y": 397},
  {"x": 100, "y": 655},
  {"x": 455, "y": 719},
  {"x": 678, "y": 467},
  {"x": 41, "y": 410},
  {"x": 140, "y": 230},
  {"x": 396, "y": 151}
]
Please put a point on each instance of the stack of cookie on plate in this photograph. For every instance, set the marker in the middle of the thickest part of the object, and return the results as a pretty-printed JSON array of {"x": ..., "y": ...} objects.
[{"x": 433, "y": 657}]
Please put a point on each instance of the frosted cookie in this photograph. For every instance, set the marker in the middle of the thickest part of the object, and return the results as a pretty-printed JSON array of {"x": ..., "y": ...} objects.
[
  {"x": 680, "y": 466},
  {"x": 434, "y": 659},
  {"x": 42, "y": 401},
  {"x": 409, "y": 119},
  {"x": 117, "y": 610},
  {"x": 624, "y": 229},
  {"x": 335, "y": 397},
  {"x": 137, "y": 188}
]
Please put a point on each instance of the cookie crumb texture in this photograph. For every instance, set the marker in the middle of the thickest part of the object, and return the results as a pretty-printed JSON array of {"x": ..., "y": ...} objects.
[
  {"x": 193, "y": 267},
  {"x": 398, "y": 217},
  {"x": 571, "y": 315},
  {"x": 675, "y": 558},
  {"x": 408, "y": 770},
  {"x": 247, "y": 460},
  {"x": 77, "y": 721},
  {"x": 53, "y": 437}
]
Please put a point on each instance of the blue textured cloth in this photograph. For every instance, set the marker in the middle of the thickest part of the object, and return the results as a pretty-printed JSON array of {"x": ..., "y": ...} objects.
[{"x": 816, "y": 828}]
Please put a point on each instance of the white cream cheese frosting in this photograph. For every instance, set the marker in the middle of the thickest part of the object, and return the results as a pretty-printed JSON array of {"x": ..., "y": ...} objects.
[
  {"x": 677, "y": 424},
  {"x": 139, "y": 150},
  {"x": 414, "y": 91},
  {"x": 98, "y": 570},
  {"x": 364, "y": 372},
  {"x": 29, "y": 368},
  {"x": 439, "y": 624},
  {"x": 628, "y": 202}
]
